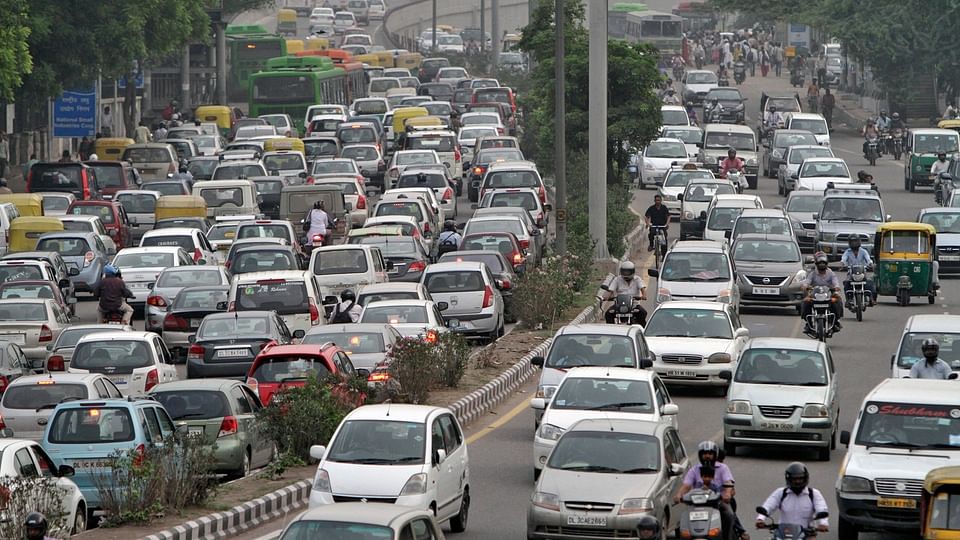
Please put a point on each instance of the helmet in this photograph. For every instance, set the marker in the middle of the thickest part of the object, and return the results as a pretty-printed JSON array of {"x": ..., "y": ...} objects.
[
  {"x": 348, "y": 296},
  {"x": 648, "y": 524},
  {"x": 861, "y": 175},
  {"x": 797, "y": 477},
  {"x": 94, "y": 157},
  {"x": 854, "y": 239},
  {"x": 708, "y": 447},
  {"x": 820, "y": 257},
  {"x": 773, "y": 109},
  {"x": 930, "y": 348},
  {"x": 628, "y": 269},
  {"x": 896, "y": 115},
  {"x": 36, "y": 526},
  {"x": 110, "y": 270},
  {"x": 449, "y": 225},
  {"x": 731, "y": 151},
  {"x": 883, "y": 113}
]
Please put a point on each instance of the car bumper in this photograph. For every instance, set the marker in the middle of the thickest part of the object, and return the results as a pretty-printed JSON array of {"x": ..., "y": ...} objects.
[
  {"x": 549, "y": 524},
  {"x": 358, "y": 217},
  {"x": 154, "y": 318},
  {"x": 865, "y": 514},
  {"x": 318, "y": 498},
  {"x": 786, "y": 296},
  {"x": 409, "y": 277},
  {"x": 199, "y": 370},
  {"x": 177, "y": 342},
  {"x": 807, "y": 241},
  {"x": 747, "y": 429},
  {"x": 541, "y": 451},
  {"x": 483, "y": 323},
  {"x": 673, "y": 206},
  {"x": 949, "y": 262},
  {"x": 87, "y": 280},
  {"x": 652, "y": 178},
  {"x": 692, "y": 375}
]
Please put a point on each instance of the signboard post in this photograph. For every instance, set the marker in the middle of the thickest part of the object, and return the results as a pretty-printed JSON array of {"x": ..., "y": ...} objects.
[{"x": 75, "y": 114}]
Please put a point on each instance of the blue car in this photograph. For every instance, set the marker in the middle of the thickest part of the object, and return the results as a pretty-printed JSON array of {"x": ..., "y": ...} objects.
[
  {"x": 83, "y": 251},
  {"x": 86, "y": 434}
]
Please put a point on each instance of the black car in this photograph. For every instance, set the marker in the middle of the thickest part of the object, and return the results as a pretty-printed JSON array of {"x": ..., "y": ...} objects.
[
  {"x": 437, "y": 90},
  {"x": 268, "y": 190},
  {"x": 731, "y": 106},
  {"x": 226, "y": 343},
  {"x": 200, "y": 223},
  {"x": 405, "y": 252},
  {"x": 186, "y": 312},
  {"x": 430, "y": 67},
  {"x": 201, "y": 167},
  {"x": 500, "y": 269},
  {"x": 263, "y": 258},
  {"x": 481, "y": 160}
]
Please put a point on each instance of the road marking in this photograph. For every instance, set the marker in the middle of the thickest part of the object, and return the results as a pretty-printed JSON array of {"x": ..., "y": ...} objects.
[{"x": 500, "y": 422}]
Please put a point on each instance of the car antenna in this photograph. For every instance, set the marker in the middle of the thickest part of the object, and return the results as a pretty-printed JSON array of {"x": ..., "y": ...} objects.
[
  {"x": 606, "y": 416},
  {"x": 389, "y": 404}
]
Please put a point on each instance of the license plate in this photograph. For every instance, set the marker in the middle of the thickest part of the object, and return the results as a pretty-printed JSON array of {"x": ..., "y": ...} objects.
[
  {"x": 950, "y": 257},
  {"x": 195, "y": 323},
  {"x": 766, "y": 290},
  {"x": 92, "y": 463},
  {"x": 119, "y": 381},
  {"x": 699, "y": 516},
  {"x": 596, "y": 521},
  {"x": 195, "y": 431},
  {"x": 811, "y": 234},
  {"x": 139, "y": 286},
  {"x": 896, "y": 503},
  {"x": 232, "y": 353},
  {"x": 19, "y": 339},
  {"x": 776, "y": 426},
  {"x": 688, "y": 374}
]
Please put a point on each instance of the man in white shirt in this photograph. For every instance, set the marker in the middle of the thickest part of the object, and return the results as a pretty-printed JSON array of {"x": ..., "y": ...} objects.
[{"x": 797, "y": 503}]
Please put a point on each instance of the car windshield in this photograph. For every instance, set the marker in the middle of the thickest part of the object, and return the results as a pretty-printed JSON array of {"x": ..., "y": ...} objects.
[
  {"x": 782, "y": 104},
  {"x": 320, "y": 148},
  {"x": 815, "y": 126},
  {"x": 797, "y": 156},
  {"x": 665, "y": 149},
  {"x": 392, "y": 246},
  {"x": 691, "y": 266},
  {"x": 672, "y": 117},
  {"x": 382, "y": 85},
  {"x": 439, "y": 143},
  {"x": 56, "y": 204},
  {"x": 722, "y": 218},
  {"x": 379, "y": 442},
  {"x": 766, "y": 251},
  {"x": 910, "y": 352},
  {"x": 351, "y": 342},
  {"x": 514, "y": 226},
  {"x": 423, "y": 179},
  {"x": 194, "y": 404},
  {"x": 700, "y": 323},
  {"x": 67, "y": 247},
  {"x": 909, "y": 425},
  {"x": 764, "y": 225},
  {"x": 842, "y": 209},
  {"x": 688, "y": 136},
  {"x": 824, "y": 169},
  {"x": 232, "y": 327},
  {"x": 783, "y": 140},
  {"x": 91, "y": 425},
  {"x": 682, "y": 178},
  {"x": 222, "y": 232},
  {"x": 310, "y": 529},
  {"x": 169, "y": 240},
  {"x": 934, "y": 144},
  {"x": 512, "y": 179},
  {"x": 805, "y": 203},
  {"x": 394, "y": 314},
  {"x": 371, "y": 106},
  {"x": 704, "y": 192},
  {"x": 499, "y": 154},
  {"x": 339, "y": 261},
  {"x": 574, "y": 350},
  {"x": 790, "y": 367},
  {"x": 109, "y": 175},
  {"x": 285, "y": 368},
  {"x": 415, "y": 158},
  {"x": 738, "y": 141},
  {"x": 451, "y": 40},
  {"x": 453, "y": 282},
  {"x": 112, "y": 356},
  {"x": 18, "y": 272},
  {"x": 286, "y": 297},
  {"x": 190, "y": 277},
  {"x": 603, "y": 394},
  {"x": 943, "y": 222},
  {"x": 137, "y": 204},
  {"x": 202, "y": 299},
  {"x": 606, "y": 452},
  {"x": 701, "y": 77},
  {"x": 45, "y": 394},
  {"x": 481, "y": 119}
]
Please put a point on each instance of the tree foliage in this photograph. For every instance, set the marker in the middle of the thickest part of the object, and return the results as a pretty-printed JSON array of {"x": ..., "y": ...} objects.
[{"x": 15, "y": 60}]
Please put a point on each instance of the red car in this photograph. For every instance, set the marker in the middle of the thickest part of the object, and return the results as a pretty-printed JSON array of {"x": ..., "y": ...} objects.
[
  {"x": 111, "y": 213},
  {"x": 284, "y": 366},
  {"x": 506, "y": 243}
]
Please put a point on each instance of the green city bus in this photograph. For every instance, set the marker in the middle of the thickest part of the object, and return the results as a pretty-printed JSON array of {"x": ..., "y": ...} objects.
[
  {"x": 249, "y": 47},
  {"x": 291, "y": 84}
]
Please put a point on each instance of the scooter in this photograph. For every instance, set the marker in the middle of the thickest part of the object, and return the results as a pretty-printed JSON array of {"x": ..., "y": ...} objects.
[
  {"x": 738, "y": 179},
  {"x": 857, "y": 300},
  {"x": 700, "y": 518},
  {"x": 872, "y": 150},
  {"x": 821, "y": 318},
  {"x": 739, "y": 72},
  {"x": 896, "y": 143},
  {"x": 781, "y": 531}
]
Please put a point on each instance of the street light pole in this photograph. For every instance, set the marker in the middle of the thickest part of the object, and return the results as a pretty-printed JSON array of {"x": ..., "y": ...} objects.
[
  {"x": 597, "y": 130},
  {"x": 483, "y": 26},
  {"x": 560, "y": 131},
  {"x": 433, "y": 40}
]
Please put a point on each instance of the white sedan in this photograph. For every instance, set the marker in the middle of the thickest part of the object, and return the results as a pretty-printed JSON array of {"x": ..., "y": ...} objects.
[
  {"x": 817, "y": 173},
  {"x": 658, "y": 157}
]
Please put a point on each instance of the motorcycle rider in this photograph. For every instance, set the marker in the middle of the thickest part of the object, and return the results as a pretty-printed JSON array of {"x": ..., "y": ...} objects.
[
  {"x": 648, "y": 527},
  {"x": 870, "y": 132},
  {"x": 941, "y": 165},
  {"x": 932, "y": 367},
  {"x": 722, "y": 483},
  {"x": 35, "y": 527},
  {"x": 883, "y": 121},
  {"x": 628, "y": 283},
  {"x": 827, "y": 103},
  {"x": 657, "y": 215},
  {"x": 856, "y": 256},
  {"x": 347, "y": 311},
  {"x": 773, "y": 118},
  {"x": 113, "y": 294},
  {"x": 822, "y": 276},
  {"x": 896, "y": 122},
  {"x": 733, "y": 163},
  {"x": 671, "y": 98},
  {"x": 863, "y": 177},
  {"x": 798, "y": 503},
  {"x": 449, "y": 238},
  {"x": 692, "y": 114}
]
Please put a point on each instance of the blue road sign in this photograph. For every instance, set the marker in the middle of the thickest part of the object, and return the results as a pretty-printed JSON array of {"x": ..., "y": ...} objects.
[
  {"x": 122, "y": 81},
  {"x": 75, "y": 114}
]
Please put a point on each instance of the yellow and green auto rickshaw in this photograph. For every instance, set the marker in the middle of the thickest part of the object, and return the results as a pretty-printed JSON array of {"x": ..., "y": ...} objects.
[
  {"x": 26, "y": 231},
  {"x": 111, "y": 148},
  {"x": 287, "y": 22},
  {"x": 940, "y": 504},
  {"x": 906, "y": 262},
  {"x": 222, "y": 115},
  {"x": 294, "y": 46},
  {"x": 28, "y": 204},
  {"x": 178, "y": 206}
]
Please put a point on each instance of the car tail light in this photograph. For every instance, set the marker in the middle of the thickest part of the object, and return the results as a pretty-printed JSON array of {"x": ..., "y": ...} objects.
[
  {"x": 153, "y": 379},
  {"x": 87, "y": 258},
  {"x": 525, "y": 244},
  {"x": 431, "y": 336},
  {"x": 506, "y": 285},
  {"x": 361, "y": 202},
  {"x": 499, "y": 130},
  {"x": 228, "y": 426},
  {"x": 232, "y": 306},
  {"x": 3, "y": 425},
  {"x": 156, "y": 301},
  {"x": 197, "y": 255},
  {"x": 417, "y": 266},
  {"x": 309, "y": 179},
  {"x": 517, "y": 258},
  {"x": 172, "y": 322},
  {"x": 487, "y": 296},
  {"x": 478, "y": 171},
  {"x": 381, "y": 376},
  {"x": 85, "y": 181},
  {"x": 56, "y": 363},
  {"x": 3, "y": 382},
  {"x": 45, "y": 334},
  {"x": 543, "y": 195},
  {"x": 196, "y": 353},
  {"x": 448, "y": 194},
  {"x": 253, "y": 384},
  {"x": 227, "y": 264},
  {"x": 314, "y": 314}
]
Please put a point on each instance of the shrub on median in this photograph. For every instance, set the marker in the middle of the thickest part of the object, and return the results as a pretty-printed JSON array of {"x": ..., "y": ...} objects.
[
  {"x": 544, "y": 293},
  {"x": 19, "y": 496},
  {"x": 420, "y": 366}
]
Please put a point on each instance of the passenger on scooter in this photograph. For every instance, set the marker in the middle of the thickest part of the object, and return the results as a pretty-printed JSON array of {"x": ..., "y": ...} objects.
[
  {"x": 822, "y": 276},
  {"x": 722, "y": 482},
  {"x": 628, "y": 283},
  {"x": 648, "y": 527},
  {"x": 773, "y": 118},
  {"x": 798, "y": 503},
  {"x": 113, "y": 294},
  {"x": 857, "y": 256}
]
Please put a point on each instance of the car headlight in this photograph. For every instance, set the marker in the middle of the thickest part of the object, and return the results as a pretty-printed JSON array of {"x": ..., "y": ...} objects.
[
  {"x": 550, "y": 432},
  {"x": 546, "y": 391},
  {"x": 725, "y": 296},
  {"x": 688, "y": 215},
  {"x": 739, "y": 407},
  {"x": 547, "y": 501},
  {"x": 719, "y": 358},
  {"x": 663, "y": 295},
  {"x": 855, "y": 484},
  {"x": 828, "y": 237},
  {"x": 669, "y": 197},
  {"x": 416, "y": 485},
  {"x": 738, "y": 108},
  {"x": 815, "y": 410},
  {"x": 801, "y": 275},
  {"x": 636, "y": 506},
  {"x": 752, "y": 161},
  {"x": 321, "y": 482}
]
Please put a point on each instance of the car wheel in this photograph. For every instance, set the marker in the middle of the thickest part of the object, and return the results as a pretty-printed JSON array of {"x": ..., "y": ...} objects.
[
  {"x": 79, "y": 520},
  {"x": 729, "y": 448},
  {"x": 244, "y": 469},
  {"x": 847, "y": 530},
  {"x": 458, "y": 523}
]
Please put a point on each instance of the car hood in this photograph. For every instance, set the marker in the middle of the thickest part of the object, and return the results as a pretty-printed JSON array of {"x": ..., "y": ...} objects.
[
  {"x": 701, "y": 88},
  {"x": 948, "y": 239},
  {"x": 898, "y": 462},
  {"x": 663, "y": 163},
  {"x": 819, "y": 183},
  {"x": 597, "y": 487},
  {"x": 778, "y": 395},
  {"x": 862, "y": 227},
  {"x": 688, "y": 345},
  {"x": 730, "y": 103},
  {"x": 804, "y": 216},
  {"x": 694, "y": 288},
  {"x": 768, "y": 268},
  {"x": 564, "y": 418},
  {"x": 672, "y": 191},
  {"x": 353, "y": 479},
  {"x": 713, "y": 153}
]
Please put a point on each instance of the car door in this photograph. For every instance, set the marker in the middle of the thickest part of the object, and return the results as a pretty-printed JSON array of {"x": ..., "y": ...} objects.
[
  {"x": 444, "y": 474},
  {"x": 674, "y": 454},
  {"x": 245, "y": 418},
  {"x": 263, "y": 448},
  {"x": 740, "y": 342},
  {"x": 663, "y": 398},
  {"x": 380, "y": 273},
  {"x": 47, "y": 470},
  {"x": 831, "y": 398},
  {"x": 168, "y": 372}
]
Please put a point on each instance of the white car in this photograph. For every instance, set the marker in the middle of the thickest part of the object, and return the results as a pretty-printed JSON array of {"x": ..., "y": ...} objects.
[
  {"x": 377, "y": 9},
  {"x": 134, "y": 361},
  {"x": 472, "y": 119},
  {"x": 467, "y": 139},
  {"x": 696, "y": 84},
  {"x": 412, "y": 318},
  {"x": 674, "y": 115},
  {"x": 411, "y": 455},
  {"x": 675, "y": 182},
  {"x": 695, "y": 341},
  {"x": 347, "y": 266},
  {"x": 816, "y": 173},
  {"x": 358, "y": 39},
  {"x": 379, "y": 86},
  {"x": 614, "y": 392},
  {"x": 293, "y": 294},
  {"x": 657, "y": 158},
  {"x": 792, "y": 159},
  {"x": 32, "y": 324},
  {"x": 344, "y": 20},
  {"x": 405, "y": 158},
  {"x": 190, "y": 240},
  {"x": 814, "y": 123},
  {"x": 379, "y": 292},
  {"x": 140, "y": 267},
  {"x": 436, "y": 180},
  {"x": 692, "y": 137},
  {"x": 453, "y": 74},
  {"x": 474, "y": 305}
]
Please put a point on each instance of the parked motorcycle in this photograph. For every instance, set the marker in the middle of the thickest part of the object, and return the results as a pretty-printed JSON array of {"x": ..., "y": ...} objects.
[
  {"x": 700, "y": 518},
  {"x": 857, "y": 299},
  {"x": 739, "y": 72},
  {"x": 781, "y": 531},
  {"x": 821, "y": 318}
]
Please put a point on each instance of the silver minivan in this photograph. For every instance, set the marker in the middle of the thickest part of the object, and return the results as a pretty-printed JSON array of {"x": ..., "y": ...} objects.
[
  {"x": 472, "y": 294},
  {"x": 697, "y": 270}
]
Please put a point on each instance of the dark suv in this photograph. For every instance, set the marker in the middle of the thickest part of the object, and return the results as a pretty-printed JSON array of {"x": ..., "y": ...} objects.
[
  {"x": 429, "y": 68},
  {"x": 71, "y": 177}
]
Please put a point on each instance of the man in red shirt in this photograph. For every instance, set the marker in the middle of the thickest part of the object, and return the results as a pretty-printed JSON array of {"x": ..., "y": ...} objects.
[{"x": 732, "y": 163}]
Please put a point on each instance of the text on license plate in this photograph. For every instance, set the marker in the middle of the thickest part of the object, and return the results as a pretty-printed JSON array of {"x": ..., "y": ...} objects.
[
  {"x": 766, "y": 290},
  {"x": 599, "y": 521},
  {"x": 689, "y": 374},
  {"x": 896, "y": 503},
  {"x": 232, "y": 353},
  {"x": 950, "y": 257},
  {"x": 195, "y": 431},
  {"x": 195, "y": 323},
  {"x": 139, "y": 286},
  {"x": 699, "y": 516},
  {"x": 779, "y": 426},
  {"x": 118, "y": 380},
  {"x": 811, "y": 234},
  {"x": 19, "y": 339}
]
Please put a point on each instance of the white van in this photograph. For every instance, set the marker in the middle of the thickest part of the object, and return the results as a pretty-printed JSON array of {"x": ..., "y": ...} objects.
[
  {"x": 906, "y": 428},
  {"x": 228, "y": 197},
  {"x": 814, "y": 123},
  {"x": 347, "y": 266},
  {"x": 293, "y": 294}
]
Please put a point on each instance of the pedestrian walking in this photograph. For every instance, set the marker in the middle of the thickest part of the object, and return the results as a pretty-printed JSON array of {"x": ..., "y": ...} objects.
[
  {"x": 827, "y": 103},
  {"x": 142, "y": 134},
  {"x": 4, "y": 154},
  {"x": 106, "y": 122},
  {"x": 26, "y": 166},
  {"x": 86, "y": 148},
  {"x": 777, "y": 59},
  {"x": 764, "y": 62}
]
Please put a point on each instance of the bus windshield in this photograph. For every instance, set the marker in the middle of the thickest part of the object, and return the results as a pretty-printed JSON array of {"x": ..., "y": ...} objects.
[{"x": 284, "y": 89}]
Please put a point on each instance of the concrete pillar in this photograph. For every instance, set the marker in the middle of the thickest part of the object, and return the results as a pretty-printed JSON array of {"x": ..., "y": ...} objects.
[
  {"x": 598, "y": 127},
  {"x": 495, "y": 31},
  {"x": 185, "y": 104},
  {"x": 221, "y": 64},
  {"x": 560, "y": 131},
  {"x": 483, "y": 25}
]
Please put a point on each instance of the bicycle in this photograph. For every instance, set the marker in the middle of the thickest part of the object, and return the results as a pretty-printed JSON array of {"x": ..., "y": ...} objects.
[{"x": 659, "y": 244}]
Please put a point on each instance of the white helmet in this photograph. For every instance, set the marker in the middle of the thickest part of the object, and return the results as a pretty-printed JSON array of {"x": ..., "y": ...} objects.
[
  {"x": 93, "y": 157},
  {"x": 627, "y": 269}
]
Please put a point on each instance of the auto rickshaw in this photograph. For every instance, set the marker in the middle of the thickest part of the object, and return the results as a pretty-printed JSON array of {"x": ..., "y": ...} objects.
[
  {"x": 294, "y": 46},
  {"x": 28, "y": 204},
  {"x": 287, "y": 22},
  {"x": 949, "y": 124},
  {"x": 175, "y": 206},
  {"x": 222, "y": 115},
  {"x": 316, "y": 44},
  {"x": 421, "y": 122},
  {"x": 385, "y": 59},
  {"x": 408, "y": 60},
  {"x": 284, "y": 143},
  {"x": 940, "y": 504},
  {"x": 906, "y": 263},
  {"x": 369, "y": 59},
  {"x": 111, "y": 148},
  {"x": 401, "y": 114},
  {"x": 26, "y": 231}
]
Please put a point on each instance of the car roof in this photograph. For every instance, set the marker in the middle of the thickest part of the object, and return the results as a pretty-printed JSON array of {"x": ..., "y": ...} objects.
[
  {"x": 596, "y": 329},
  {"x": 617, "y": 425},
  {"x": 734, "y": 197},
  {"x": 606, "y": 372},
  {"x": 455, "y": 266},
  {"x": 111, "y": 336},
  {"x": 692, "y": 304},
  {"x": 805, "y": 116},
  {"x": 786, "y": 343},
  {"x": 290, "y": 275},
  {"x": 916, "y": 391},
  {"x": 394, "y": 412},
  {"x": 349, "y": 328},
  {"x": 403, "y": 302},
  {"x": 155, "y": 194},
  {"x": 933, "y": 323},
  {"x": 60, "y": 377},
  {"x": 392, "y": 286},
  {"x": 172, "y": 231},
  {"x": 729, "y": 128},
  {"x": 25, "y": 300},
  {"x": 506, "y": 165},
  {"x": 698, "y": 245},
  {"x": 672, "y": 108},
  {"x": 940, "y": 210},
  {"x": 151, "y": 249},
  {"x": 70, "y": 234},
  {"x": 765, "y": 237},
  {"x": 824, "y": 159},
  {"x": 372, "y": 513},
  {"x": 195, "y": 384},
  {"x": 762, "y": 212},
  {"x": 807, "y": 147}
]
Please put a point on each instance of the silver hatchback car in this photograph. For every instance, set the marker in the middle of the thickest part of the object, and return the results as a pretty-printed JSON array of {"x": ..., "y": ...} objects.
[
  {"x": 472, "y": 295},
  {"x": 697, "y": 270},
  {"x": 28, "y": 401}
]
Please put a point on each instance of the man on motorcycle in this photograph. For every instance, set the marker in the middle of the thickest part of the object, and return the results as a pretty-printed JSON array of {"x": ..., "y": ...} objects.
[
  {"x": 797, "y": 503},
  {"x": 863, "y": 177},
  {"x": 772, "y": 119},
  {"x": 628, "y": 283},
  {"x": 941, "y": 165},
  {"x": 883, "y": 121},
  {"x": 722, "y": 483},
  {"x": 856, "y": 256},
  {"x": 113, "y": 294},
  {"x": 671, "y": 98},
  {"x": 822, "y": 276},
  {"x": 731, "y": 163},
  {"x": 347, "y": 311},
  {"x": 870, "y": 131},
  {"x": 932, "y": 366},
  {"x": 692, "y": 114},
  {"x": 449, "y": 238},
  {"x": 897, "y": 123},
  {"x": 657, "y": 215}
]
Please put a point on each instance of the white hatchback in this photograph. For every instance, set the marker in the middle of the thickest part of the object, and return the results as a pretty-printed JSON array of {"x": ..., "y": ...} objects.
[{"x": 134, "y": 361}]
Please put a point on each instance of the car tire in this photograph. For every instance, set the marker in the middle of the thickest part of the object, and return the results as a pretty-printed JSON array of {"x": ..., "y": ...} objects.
[
  {"x": 79, "y": 520},
  {"x": 244, "y": 469},
  {"x": 458, "y": 523},
  {"x": 847, "y": 530}
]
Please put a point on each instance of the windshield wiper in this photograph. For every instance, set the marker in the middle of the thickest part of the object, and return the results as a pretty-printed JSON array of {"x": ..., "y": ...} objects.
[
  {"x": 591, "y": 468},
  {"x": 407, "y": 459},
  {"x": 189, "y": 415},
  {"x": 618, "y": 405},
  {"x": 715, "y": 337},
  {"x": 640, "y": 470},
  {"x": 369, "y": 461}
]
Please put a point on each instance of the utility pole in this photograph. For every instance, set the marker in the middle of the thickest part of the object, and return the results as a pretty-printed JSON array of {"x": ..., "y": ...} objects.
[
  {"x": 560, "y": 131},
  {"x": 495, "y": 30},
  {"x": 221, "y": 64},
  {"x": 433, "y": 40},
  {"x": 483, "y": 26},
  {"x": 597, "y": 130},
  {"x": 185, "y": 104}
]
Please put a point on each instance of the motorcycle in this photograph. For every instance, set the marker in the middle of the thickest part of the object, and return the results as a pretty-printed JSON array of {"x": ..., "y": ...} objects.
[
  {"x": 896, "y": 146},
  {"x": 857, "y": 300},
  {"x": 739, "y": 72},
  {"x": 699, "y": 61},
  {"x": 872, "y": 149},
  {"x": 738, "y": 179},
  {"x": 714, "y": 115},
  {"x": 633, "y": 172},
  {"x": 700, "y": 519},
  {"x": 796, "y": 78},
  {"x": 622, "y": 308},
  {"x": 789, "y": 531},
  {"x": 821, "y": 318},
  {"x": 886, "y": 141},
  {"x": 677, "y": 73}
]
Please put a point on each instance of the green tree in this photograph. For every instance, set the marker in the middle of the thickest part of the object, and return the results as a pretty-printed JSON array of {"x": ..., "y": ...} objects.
[{"x": 15, "y": 60}]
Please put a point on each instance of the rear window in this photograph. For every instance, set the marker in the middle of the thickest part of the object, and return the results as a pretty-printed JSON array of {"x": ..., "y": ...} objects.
[
  {"x": 147, "y": 155},
  {"x": 14, "y": 290},
  {"x": 284, "y": 162},
  {"x": 433, "y": 180},
  {"x": 394, "y": 315},
  {"x": 68, "y": 247},
  {"x": 105, "y": 213},
  {"x": 194, "y": 404},
  {"x": 454, "y": 282},
  {"x": 333, "y": 167},
  {"x": 90, "y": 425},
  {"x": 138, "y": 204},
  {"x": 264, "y": 231},
  {"x": 268, "y": 187},
  {"x": 328, "y": 124},
  {"x": 116, "y": 356},
  {"x": 525, "y": 200},
  {"x": 41, "y": 395},
  {"x": 276, "y": 369},
  {"x": 229, "y": 172},
  {"x": 494, "y": 263},
  {"x": 26, "y": 312},
  {"x": 495, "y": 225},
  {"x": 438, "y": 143},
  {"x": 400, "y": 208},
  {"x": 109, "y": 175},
  {"x": 284, "y": 297},
  {"x": 348, "y": 188},
  {"x": 166, "y": 188},
  {"x": 203, "y": 299},
  {"x": 262, "y": 261},
  {"x": 392, "y": 246},
  {"x": 20, "y": 272},
  {"x": 511, "y": 179},
  {"x": 54, "y": 177},
  {"x": 498, "y": 95},
  {"x": 340, "y": 261},
  {"x": 185, "y": 242},
  {"x": 190, "y": 278},
  {"x": 232, "y": 327},
  {"x": 363, "y": 153},
  {"x": 70, "y": 336},
  {"x": 320, "y": 148},
  {"x": 217, "y": 197},
  {"x": 365, "y": 299},
  {"x": 498, "y": 143},
  {"x": 371, "y": 107},
  {"x": 359, "y": 343},
  {"x": 357, "y": 135},
  {"x": 506, "y": 154},
  {"x": 143, "y": 260},
  {"x": 55, "y": 204}
]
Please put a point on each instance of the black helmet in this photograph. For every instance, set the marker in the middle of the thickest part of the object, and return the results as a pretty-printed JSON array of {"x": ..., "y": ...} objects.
[
  {"x": 930, "y": 348},
  {"x": 649, "y": 524},
  {"x": 35, "y": 525},
  {"x": 854, "y": 239},
  {"x": 731, "y": 151},
  {"x": 348, "y": 296},
  {"x": 449, "y": 225},
  {"x": 708, "y": 447},
  {"x": 797, "y": 477}
]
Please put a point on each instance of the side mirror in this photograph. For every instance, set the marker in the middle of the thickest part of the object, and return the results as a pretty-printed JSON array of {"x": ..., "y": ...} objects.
[
  {"x": 676, "y": 469},
  {"x": 330, "y": 299},
  {"x": 65, "y": 471},
  {"x": 461, "y": 226},
  {"x": 670, "y": 409},
  {"x": 498, "y": 283},
  {"x": 742, "y": 333},
  {"x": 778, "y": 206},
  {"x": 538, "y": 403},
  {"x": 303, "y": 174},
  {"x": 808, "y": 259},
  {"x": 439, "y": 456},
  {"x": 363, "y": 373},
  {"x": 298, "y": 334},
  {"x": 535, "y": 232},
  {"x": 192, "y": 338},
  {"x": 6, "y": 433},
  {"x": 845, "y": 438},
  {"x": 953, "y": 376},
  {"x": 537, "y": 361},
  {"x": 725, "y": 375},
  {"x": 548, "y": 207},
  {"x": 646, "y": 363},
  {"x": 202, "y": 262},
  {"x": 703, "y": 215},
  {"x": 816, "y": 217},
  {"x": 317, "y": 451},
  {"x": 653, "y": 272},
  {"x": 72, "y": 300},
  {"x": 680, "y": 197},
  {"x": 727, "y": 234},
  {"x": 390, "y": 265},
  {"x": 604, "y": 287},
  {"x": 443, "y": 306},
  {"x": 889, "y": 217},
  {"x": 221, "y": 306}
]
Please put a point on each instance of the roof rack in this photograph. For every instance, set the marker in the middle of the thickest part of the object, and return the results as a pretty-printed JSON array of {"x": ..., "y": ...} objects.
[{"x": 850, "y": 188}]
